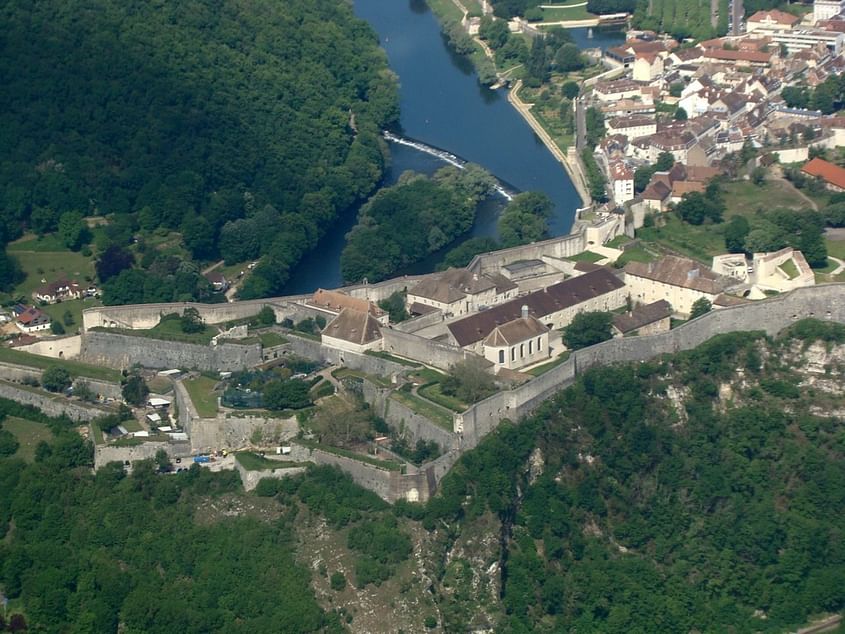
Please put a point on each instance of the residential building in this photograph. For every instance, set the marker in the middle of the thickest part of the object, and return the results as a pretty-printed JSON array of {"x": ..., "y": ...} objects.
[
  {"x": 459, "y": 292},
  {"x": 554, "y": 306},
  {"x": 827, "y": 9},
  {"x": 648, "y": 319},
  {"x": 774, "y": 20},
  {"x": 29, "y": 319},
  {"x": 616, "y": 90},
  {"x": 678, "y": 280},
  {"x": 631, "y": 127},
  {"x": 353, "y": 330},
  {"x": 647, "y": 67},
  {"x": 62, "y": 290},
  {"x": 333, "y": 302},
  {"x": 621, "y": 181},
  {"x": 517, "y": 343},
  {"x": 832, "y": 175},
  {"x": 218, "y": 281},
  {"x": 807, "y": 39}
]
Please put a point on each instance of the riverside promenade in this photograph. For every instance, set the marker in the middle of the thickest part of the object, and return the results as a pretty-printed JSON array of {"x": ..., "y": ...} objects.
[{"x": 573, "y": 167}]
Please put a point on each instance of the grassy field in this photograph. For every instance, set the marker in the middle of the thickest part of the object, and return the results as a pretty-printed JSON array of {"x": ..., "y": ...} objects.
[
  {"x": 343, "y": 373},
  {"x": 700, "y": 242},
  {"x": 270, "y": 339},
  {"x": 434, "y": 392},
  {"x": 322, "y": 389},
  {"x": 586, "y": 256},
  {"x": 171, "y": 330},
  {"x": 201, "y": 391},
  {"x": 542, "y": 369},
  {"x": 790, "y": 269},
  {"x": 744, "y": 198},
  {"x": 437, "y": 415},
  {"x": 253, "y": 462},
  {"x": 28, "y": 433},
  {"x": 51, "y": 266},
  {"x": 75, "y": 368},
  {"x": 568, "y": 11},
  {"x": 390, "y": 357}
]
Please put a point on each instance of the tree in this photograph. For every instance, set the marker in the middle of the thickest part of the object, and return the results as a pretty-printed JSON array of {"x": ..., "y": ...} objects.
[
  {"x": 642, "y": 176},
  {"x": 568, "y": 58},
  {"x": 135, "y": 390},
  {"x": 696, "y": 207},
  {"x": 266, "y": 316},
  {"x": 469, "y": 380},
  {"x": 588, "y": 329},
  {"x": 395, "y": 307},
  {"x": 113, "y": 260},
  {"x": 191, "y": 322},
  {"x": 72, "y": 230},
  {"x": 736, "y": 230},
  {"x": 665, "y": 162},
  {"x": 290, "y": 394},
  {"x": 570, "y": 89},
  {"x": 56, "y": 328},
  {"x": 82, "y": 390},
  {"x": 162, "y": 460},
  {"x": 835, "y": 214},
  {"x": 680, "y": 114},
  {"x": 462, "y": 254},
  {"x": 525, "y": 219},
  {"x": 55, "y": 379},
  {"x": 10, "y": 271},
  {"x": 594, "y": 120},
  {"x": 67, "y": 318},
  {"x": 758, "y": 176},
  {"x": 8, "y": 443},
  {"x": 337, "y": 581},
  {"x": 494, "y": 31},
  {"x": 700, "y": 307}
]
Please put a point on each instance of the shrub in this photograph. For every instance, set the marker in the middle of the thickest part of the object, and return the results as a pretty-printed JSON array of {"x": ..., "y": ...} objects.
[
  {"x": 55, "y": 379},
  {"x": 337, "y": 581}
]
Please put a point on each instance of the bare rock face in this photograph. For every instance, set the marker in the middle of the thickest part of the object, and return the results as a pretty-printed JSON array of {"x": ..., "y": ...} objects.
[
  {"x": 821, "y": 366},
  {"x": 536, "y": 465}
]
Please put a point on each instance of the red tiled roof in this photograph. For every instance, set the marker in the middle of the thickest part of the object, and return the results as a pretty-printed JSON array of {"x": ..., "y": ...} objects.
[{"x": 828, "y": 172}]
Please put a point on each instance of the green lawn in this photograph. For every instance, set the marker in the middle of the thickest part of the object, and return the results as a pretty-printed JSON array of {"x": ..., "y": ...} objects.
[
  {"x": 432, "y": 412},
  {"x": 434, "y": 392},
  {"x": 75, "y": 368},
  {"x": 132, "y": 425},
  {"x": 542, "y": 369},
  {"x": 790, "y": 269},
  {"x": 386, "y": 355},
  {"x": 270, "y": 339},
  {"x": 567, "y": 12},
  {"x": 836, "y": 248},
  {"x": 700, "y": 242},
  {"x": 744, "y": 198},
  {"x": 343, "y": 373},
  {"x": 426, "y": 375},
  {"x": 253, "y": 462},
  {"x": 74, "y": 307},
  {"x": 31, "y": 242},
  {"x": 323, "y": 388},
  {"x": 28, "y": 433},
  {"x": 638, "y": 254},
  {"x": 618, "y": 241},
  {"x": 201, "y": 391},
  {"x": 169, "y": 330},
  {"x": 586, "y": 256},
  {"x": 51, "y": 266}
]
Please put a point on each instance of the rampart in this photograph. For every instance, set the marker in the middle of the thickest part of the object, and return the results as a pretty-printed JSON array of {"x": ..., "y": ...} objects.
[
  {"x": 367, "y": 363},
  {"x": 122, "y": 351},
  {"x": 51, "y": 404},
  {"x": 56, "y": 347},
  {"x": 418, "y": 323},
  {"x": 825, "y": 302},
  {"x": 250, "y": 479}
]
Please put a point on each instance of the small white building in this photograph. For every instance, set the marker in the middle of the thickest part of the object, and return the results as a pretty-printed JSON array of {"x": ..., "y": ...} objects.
[
  {"x": 353, "y": 330},
  {"x": 622, "y": 181},
  {"x": 517, "y": 343},
  {"x": 827, "y": 9}
]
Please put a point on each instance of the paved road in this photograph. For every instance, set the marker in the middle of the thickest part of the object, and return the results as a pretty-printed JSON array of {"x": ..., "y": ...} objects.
[{"x": 580, "y": 125}]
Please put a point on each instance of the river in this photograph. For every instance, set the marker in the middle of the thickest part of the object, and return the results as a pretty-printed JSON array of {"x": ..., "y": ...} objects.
[{"x": 443, "y": 105}]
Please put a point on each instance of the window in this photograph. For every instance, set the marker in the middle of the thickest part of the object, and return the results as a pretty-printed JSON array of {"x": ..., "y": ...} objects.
[
  {"x": 513, "y": 354},
  {"x": 501, "y": 356},
  {"x": 530, "y": 347},
  {"x": 539, "y": 339},
  {"x": 521, "y": 350}
]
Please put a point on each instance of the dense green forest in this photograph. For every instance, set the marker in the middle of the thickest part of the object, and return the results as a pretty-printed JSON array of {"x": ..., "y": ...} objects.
[
  {"x": 246, "y": 127},
  {"x": 649, "y": 515},
  {"x": 419, "y": 215}
]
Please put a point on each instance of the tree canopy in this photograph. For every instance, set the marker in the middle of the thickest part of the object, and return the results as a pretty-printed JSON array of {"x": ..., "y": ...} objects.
[{"x": 194, "y": 116}]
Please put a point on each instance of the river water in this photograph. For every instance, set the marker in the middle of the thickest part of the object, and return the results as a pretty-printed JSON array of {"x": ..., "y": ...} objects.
[{"x": 443, "y": 105}]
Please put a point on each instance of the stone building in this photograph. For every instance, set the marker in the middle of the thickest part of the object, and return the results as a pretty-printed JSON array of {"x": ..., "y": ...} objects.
[
  {"x": 648, "y": 319},
  {"x": 458, "y": 292},
  {"x": 517, "y": 343},
  {"x": 353, "y": 330}
]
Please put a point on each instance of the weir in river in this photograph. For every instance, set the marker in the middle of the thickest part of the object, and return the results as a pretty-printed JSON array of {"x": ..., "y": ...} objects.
[{"x": 446, "y": 157}]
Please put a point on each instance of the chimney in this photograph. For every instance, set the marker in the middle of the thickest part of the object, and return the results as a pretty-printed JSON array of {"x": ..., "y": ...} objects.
[{"x": 524, "y": 311}]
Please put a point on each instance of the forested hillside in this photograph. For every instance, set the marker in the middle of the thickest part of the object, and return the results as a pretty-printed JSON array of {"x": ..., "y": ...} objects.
[
  {"x": 246, "y": 126},
  {"x": 703, "y": 492}
]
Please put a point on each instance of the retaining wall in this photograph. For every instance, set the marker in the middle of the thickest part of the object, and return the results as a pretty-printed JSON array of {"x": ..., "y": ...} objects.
[
  {"x": 50, "y": 404},
  {"x": 366, "y": 363},
  {"x": 234, "y": 432},
  {"x": 122, "y": 351},
  {"x": 250, "y": 479},
  {"x": 404, "y": 420},
  {"x": 440, "y": 355},
  {"x": 59, "y": 347},
  {"x": 104, "y": 454},
  {"x": 418, "y": 323},
  {"x": 825, "y": 302},
  {"x": 560, "y": 247}
]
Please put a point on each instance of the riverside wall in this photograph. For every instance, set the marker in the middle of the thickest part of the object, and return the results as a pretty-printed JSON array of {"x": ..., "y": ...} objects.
[
  {"x": 560, "y": 247},
  {"x": 122, "y": 351},
  {"x": 825, "y": 302},
  {"x": 51, "y": 404}
]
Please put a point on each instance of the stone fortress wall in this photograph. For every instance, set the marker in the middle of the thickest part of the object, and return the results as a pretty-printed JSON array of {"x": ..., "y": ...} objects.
[
  {"x": 51, "y": 404},
  {"x": 825, "y": 302}
]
